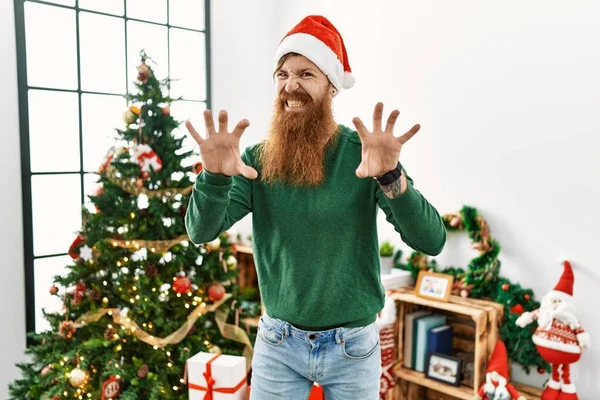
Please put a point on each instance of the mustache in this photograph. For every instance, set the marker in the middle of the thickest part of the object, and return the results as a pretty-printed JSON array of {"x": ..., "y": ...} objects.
[{"x": 295, "y": 96}]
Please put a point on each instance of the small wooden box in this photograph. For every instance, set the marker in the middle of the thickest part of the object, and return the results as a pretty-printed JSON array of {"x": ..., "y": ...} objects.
[{"x": 476, "y": 330}]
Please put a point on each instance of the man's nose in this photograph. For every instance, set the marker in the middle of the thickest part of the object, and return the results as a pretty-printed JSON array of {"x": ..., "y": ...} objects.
[{"x": 291, "y": 84}]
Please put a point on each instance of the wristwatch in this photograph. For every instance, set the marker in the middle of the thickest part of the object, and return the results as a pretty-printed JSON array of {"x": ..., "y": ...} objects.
[{"x": 391, "y": 176}]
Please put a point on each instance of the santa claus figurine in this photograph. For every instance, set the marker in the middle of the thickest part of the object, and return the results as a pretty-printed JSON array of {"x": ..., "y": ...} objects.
[
  {"x": 497, "y": 385},
  {"x": 559, "y": 337}
]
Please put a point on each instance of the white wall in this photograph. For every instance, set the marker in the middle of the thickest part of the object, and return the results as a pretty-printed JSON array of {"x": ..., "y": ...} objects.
[
  {"x": 12, "y": 289},
  {"x": 507, "y": 94}
]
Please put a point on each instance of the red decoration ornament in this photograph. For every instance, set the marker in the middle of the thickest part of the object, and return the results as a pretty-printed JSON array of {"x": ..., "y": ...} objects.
[
  {"x": 182, "y": 285},
  {"x": 166, "y": 110},
  {"x": 216, "y": 291},
  {"x": 197, "y": 168},
  {"x": 541, "y": 370},
  {"x": 74, "y": 248},
  {"x": 53, "y": 289},
  {"x": 527, "y": 297},
  {"x": 505, "y": 287},
  {"x": 517, "y": 309},
  {"x": 111, "y": 388}
]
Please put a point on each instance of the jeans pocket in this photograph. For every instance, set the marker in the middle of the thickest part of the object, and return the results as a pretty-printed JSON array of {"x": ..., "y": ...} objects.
[
  {"x": 361, "y": 344},
  {"x": 269, "y": 333}
]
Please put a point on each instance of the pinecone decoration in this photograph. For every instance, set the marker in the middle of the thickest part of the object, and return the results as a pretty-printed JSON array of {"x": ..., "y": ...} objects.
[
  {"x": 94, "y": 295},
  {"x": 142, "y": 371},
  {"x": 151, "y": 270},
  {"x": 66, "y": 329},
  {"x": 109, "y": 333}
]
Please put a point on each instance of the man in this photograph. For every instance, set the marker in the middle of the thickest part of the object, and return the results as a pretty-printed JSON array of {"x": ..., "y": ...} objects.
[{"x": 314, "y": 202}]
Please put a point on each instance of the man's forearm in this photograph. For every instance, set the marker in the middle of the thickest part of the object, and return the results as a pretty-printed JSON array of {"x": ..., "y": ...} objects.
[{"x": 395, "y": 188}]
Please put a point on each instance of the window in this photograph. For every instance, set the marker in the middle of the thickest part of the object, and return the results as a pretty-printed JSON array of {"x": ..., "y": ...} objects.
[{"x": 76, "y": 60}]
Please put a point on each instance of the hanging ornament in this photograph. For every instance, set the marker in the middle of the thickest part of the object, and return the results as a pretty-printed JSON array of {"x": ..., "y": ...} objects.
[
  {"x": 142, "y": 372},
  {"x": 66, "y": 329},
  {"x": 197, "y": 168},
  {"x": 139, "y": 183},
  {"x": 78, "y": 377},
  {"x": 232, "y": 262},
  {"x": 151, "y": 270},
  {"x": 214, "y": 245},
  {"x": 166, "y": 110},
  {"x": 144, "y": 72},
  {"x": 85, "y": 253},
  {"x": 517, "y": 309},
  {"x": 46, "y": 369},
  {"x": 182, "y": 285},
  {"x": 111, "y": 388},
  {"x": 147, "y": 159},
  {"x": 53, "y": 289},
  {"x": 505, "y": 287},
  {"x": 129, "y": 116},
  {"x": 74, "y": 248},
  {"x": 527, "y": 297},
  {"x": 541, "y": 370},
  {"x": 94, "y": 295},
  {"x": 214, "y": 349},
  {"x": 105, "y": 164},
  {"x": 111, "y": 333},
  {"x": 216, "y": 291}
]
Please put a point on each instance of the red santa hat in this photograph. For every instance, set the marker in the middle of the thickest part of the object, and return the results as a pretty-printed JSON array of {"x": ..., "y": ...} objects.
[
  {"x": 564, "y": 288},
  {"x": 499, "y": 360},
  {"x": 318, "y": 40}
]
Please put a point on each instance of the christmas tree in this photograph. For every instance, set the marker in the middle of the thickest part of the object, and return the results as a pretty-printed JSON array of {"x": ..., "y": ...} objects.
[{"x": 139, "y": 298}]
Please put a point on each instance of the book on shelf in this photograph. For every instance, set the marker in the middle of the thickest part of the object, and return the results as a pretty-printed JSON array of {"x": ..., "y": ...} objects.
[
  {"x": 439, "y": 339},
  {"x": 420, "y": 333},
  {"x": 409, "y": 324}
]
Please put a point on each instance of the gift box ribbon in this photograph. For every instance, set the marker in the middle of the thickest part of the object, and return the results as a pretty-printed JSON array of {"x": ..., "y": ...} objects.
[{"x": 210, "y": 382}]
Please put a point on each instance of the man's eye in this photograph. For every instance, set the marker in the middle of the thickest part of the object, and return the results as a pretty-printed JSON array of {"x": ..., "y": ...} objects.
[
  {"x": 281, "y": 75},
  {"x": 307, "y": 75}
]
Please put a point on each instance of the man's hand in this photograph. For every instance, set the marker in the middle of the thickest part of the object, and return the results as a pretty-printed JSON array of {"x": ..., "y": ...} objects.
[
  {"x": 380, "y": 149},
  {"x": 220, "y": 150}
]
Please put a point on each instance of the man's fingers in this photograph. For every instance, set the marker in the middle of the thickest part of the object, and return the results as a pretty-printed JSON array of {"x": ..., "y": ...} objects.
[
  {"x": 223, "y": 121},
  {"x": 208, "y": 122},
  {"x": 392, "y": 121},
  {"x": 240, "y": 128},
  {"x": 193, "y": 132},
  {"x": 247, "y": 171},
  {"x": 360, "y": 127},
  {"x": 406, "y": 137},
  {"x": 377, "y": 117}
]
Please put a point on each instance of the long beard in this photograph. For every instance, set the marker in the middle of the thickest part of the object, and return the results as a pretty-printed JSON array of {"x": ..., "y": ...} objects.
[
  {"x": 294, "y": 153},
  {"x": 565, "y": 313}
]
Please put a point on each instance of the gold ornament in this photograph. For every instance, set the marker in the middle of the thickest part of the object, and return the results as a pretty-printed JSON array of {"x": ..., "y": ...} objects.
[
  {"x": 214, "y": 349},
  {"x": 78, "y": 377},
  {"x": 129, "y": 117},
  {"x": 214, "y": 245},
  {"x": 232, "y": 262}
]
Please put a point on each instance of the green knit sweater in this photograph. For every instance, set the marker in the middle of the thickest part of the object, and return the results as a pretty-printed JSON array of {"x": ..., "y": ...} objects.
[{"x": 316, "y": 249}]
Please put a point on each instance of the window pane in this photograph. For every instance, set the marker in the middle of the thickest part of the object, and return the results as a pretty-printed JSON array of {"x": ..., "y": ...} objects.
[
  {"x": 110, "y": 7},
  {"x": 102, "y": 53},
  {"x": 53, "y": 131},
  {"x": 182, "y": 111},
  {"x": 51, "y": 46},
  {"x": 148, "y": 10},
  {"x": 187, "y": 13},
  {"x": 44, "y": 271},
  {"x": 63, "y": 2},
  {"x": 90, "y": 186},
  {"x": 188, "y": 64},
  {"x": 101, "y": 114},
  {"x": 152, "y": 39},
  {"x": 56, "y": 210}
]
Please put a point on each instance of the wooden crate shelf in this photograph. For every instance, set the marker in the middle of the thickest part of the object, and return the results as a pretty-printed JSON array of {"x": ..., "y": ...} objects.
[{"x": 481, "y": 339}]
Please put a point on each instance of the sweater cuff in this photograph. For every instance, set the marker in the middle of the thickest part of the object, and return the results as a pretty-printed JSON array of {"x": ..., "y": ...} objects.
[{"x": 214, "y": 179}]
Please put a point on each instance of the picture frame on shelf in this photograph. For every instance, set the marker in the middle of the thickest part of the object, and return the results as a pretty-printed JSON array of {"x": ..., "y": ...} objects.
[
  {"x": 434, "y": 286},
  {"x": 443, "y": 368}
]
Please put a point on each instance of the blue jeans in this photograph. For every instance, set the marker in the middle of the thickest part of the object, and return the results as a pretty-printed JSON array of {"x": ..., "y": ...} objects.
[{"x": 346, "y": 362}]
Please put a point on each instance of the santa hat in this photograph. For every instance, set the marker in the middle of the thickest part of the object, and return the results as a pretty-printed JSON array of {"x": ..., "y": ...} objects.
[
  {"x": 499, "y": 360},
  {"x": 317, "y": 39},
  {"x": 564, "y": 288}
]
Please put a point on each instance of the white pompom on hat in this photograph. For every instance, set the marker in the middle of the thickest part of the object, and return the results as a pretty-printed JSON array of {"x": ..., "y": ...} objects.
[{"x": 318, "y": 40}]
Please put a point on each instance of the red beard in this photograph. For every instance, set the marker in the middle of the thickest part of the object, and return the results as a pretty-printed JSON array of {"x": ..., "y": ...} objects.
[{"x": 294, "y": 153}]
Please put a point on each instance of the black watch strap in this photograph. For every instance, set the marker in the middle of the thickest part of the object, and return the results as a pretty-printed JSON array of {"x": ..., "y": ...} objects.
[{"x": 391, "y": 176}]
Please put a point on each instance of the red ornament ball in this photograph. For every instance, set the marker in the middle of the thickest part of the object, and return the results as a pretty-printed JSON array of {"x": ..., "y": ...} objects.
[
  {"x": 53, "y": 289},
  {"x": 216, "y": 291},
  {"x": 541, "y": 370},
  {"x": 182, "y": 285},
  {"x": 527, "y": 297},
  {"x": 505, "y": 287},
  {"x": 517, "y": 309}
]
